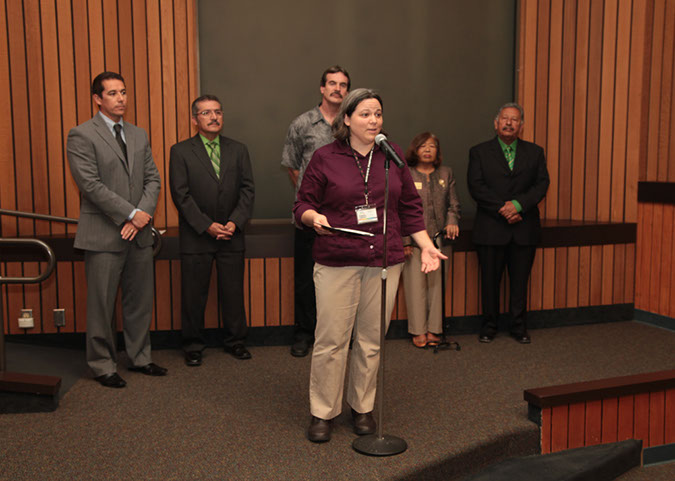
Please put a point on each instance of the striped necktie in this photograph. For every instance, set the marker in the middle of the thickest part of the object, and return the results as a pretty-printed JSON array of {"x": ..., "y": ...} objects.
[
  {"x": 510, "y": 156},
  {"x": 214, "y": 155}
]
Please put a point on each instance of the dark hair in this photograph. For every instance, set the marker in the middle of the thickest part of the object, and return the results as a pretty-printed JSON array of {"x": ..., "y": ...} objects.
[
  {"x": 97, "y": 84},
  {"x": 335, "y": 69},
  {"x": 349, "y": 104},
  {"x": 411, "y": 154},
  {"x": 203, "y": 98}
]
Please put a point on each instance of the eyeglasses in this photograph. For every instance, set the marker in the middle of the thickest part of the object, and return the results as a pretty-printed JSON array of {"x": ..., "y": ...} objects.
[{"x": 207, "y": 113}]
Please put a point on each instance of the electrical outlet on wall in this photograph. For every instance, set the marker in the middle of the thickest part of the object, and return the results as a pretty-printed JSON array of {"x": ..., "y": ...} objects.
[
  {"x": 59, "y": 317},
  {"x": 26, "y": 320}
]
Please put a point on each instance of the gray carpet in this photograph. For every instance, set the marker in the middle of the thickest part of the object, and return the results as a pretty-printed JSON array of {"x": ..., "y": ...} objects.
[{"x": 246, "y": 420}]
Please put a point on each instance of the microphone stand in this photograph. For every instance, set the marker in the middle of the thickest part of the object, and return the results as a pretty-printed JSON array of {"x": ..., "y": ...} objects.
[{"x": 378, "y": 444}]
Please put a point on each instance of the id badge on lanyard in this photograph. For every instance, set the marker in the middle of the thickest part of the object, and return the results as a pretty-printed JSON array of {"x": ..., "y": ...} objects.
[{"x": 366, "y": 213}]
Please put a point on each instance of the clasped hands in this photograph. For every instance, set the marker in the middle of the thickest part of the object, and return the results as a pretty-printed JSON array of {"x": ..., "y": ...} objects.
[
  {"x": 222, "y": 232},
  {"x": 135, "y": 225},
  {"x": 509, "y": 212}
]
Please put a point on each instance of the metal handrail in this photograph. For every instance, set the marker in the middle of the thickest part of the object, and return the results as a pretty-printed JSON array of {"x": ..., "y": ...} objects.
[
  {"x": 157, "y": 237},
  {"x": 51, "y": 263}
]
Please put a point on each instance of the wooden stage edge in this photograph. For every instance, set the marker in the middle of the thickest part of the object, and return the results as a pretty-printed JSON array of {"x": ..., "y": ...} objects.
[{"x": 274, "y": 238}]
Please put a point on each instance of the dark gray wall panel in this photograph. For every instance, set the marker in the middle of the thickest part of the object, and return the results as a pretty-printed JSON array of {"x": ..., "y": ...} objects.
[{"x": 443, "y": 66}]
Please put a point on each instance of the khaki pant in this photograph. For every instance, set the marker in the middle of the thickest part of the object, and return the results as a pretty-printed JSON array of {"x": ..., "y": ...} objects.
[
  {"x": 348, "y": 298},
  {"x": 423, "y": 295}
]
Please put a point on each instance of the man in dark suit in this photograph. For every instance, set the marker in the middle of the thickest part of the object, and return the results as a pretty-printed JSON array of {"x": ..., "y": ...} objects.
[
  {"x": 112, "y": 165},
  {"x": 212, "y": 186},
  {"x": 507, "y": 178}
]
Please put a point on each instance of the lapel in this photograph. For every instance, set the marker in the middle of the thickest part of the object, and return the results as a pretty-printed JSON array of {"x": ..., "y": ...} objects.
[
  {"x": 130, "y": 135},
  {"x": 498, "y": 154},
  {"x": 107, "y": 136},
  {"x": 199, "y": 149},
  {"x": 521, "y": 157}
]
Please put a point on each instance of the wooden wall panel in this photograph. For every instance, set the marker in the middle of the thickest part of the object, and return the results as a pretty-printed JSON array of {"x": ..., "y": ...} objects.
[
  {"x": 577, "y": 415},
  {"x": 595, "y": 79},
  {"x": 49, "y": 53},
  {"x": 589, "y": 58},
  {"x": 655, "y": 251},
  {"x": 625, "y": 418},
  {"x": 645, "y": 415},
  {"x": 593, "y": 423},
  {"x": 287, "y": 280},
  {"x": 669, "y": 431}
]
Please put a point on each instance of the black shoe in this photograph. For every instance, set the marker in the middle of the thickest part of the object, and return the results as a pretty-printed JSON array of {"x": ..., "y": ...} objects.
[
  {"x": 193, "y": 358},
  {"x": 486, "y": 337},
  {"x": 239, "y": 351},
  {"x": 300, "y": 348},
  {"x": 111, "y": 380},
  {"x": 523, "y": 338},
  {"x": 319, "y": 430},
  {"x": 151, "y": 369},
  {"x": 363, "y": 423}
]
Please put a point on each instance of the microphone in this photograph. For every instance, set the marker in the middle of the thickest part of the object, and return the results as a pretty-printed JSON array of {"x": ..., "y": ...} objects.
[{"x": 389, "y": 152}]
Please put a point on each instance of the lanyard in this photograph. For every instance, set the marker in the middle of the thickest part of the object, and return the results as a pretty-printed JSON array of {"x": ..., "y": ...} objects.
[{"x": 367, "y": 174}]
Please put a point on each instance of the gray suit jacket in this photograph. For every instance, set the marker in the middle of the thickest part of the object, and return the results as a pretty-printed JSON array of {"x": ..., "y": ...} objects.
[
  {"x": 202, "y": 198},
  {"x": 110, "y": 190}
]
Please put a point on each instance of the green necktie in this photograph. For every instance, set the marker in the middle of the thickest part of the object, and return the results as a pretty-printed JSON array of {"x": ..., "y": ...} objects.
[
  {"x": 214, "y": 155},
  {"x": 510, "y": 156}
]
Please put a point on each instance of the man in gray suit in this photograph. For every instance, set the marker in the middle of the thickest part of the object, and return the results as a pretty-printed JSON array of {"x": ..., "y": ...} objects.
[
  {"x": 212, "y": 186},
  {"x": 112, "y": 165}
]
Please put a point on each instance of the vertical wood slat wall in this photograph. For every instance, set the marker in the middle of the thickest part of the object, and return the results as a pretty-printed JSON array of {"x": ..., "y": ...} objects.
[
  {"x": 50, "y": 50},
  {"x": 655, "y": 274},
  {"x": 655, "y": 252},
  {"x": 646, "y": 416},
  {"x": 587, "y": 71},
  {"x": 583, "y": 67}
]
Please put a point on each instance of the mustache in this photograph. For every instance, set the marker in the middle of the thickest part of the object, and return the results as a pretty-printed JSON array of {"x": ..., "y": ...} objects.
[{"x": 214, "y": 122}]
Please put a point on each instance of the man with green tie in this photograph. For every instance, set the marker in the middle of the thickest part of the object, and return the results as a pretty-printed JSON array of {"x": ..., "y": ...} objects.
[
  {"x": 212, "y": 187},
  {"x": 507, "y": 178}
]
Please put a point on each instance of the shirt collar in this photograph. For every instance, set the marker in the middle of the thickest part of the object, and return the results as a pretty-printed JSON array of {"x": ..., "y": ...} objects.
[
  {"x": 504, "y": 146},
  {"x": 110, "y": 122},
  {"x": 316, "y": 116},
  {"x": 207, "y": 141},
  {"x": 342, "y": 147}
]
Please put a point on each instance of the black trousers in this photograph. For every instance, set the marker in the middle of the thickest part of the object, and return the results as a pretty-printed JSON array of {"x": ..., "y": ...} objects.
[
  {"x": 305, "y": 297},
  {"x": 518, "y": 259},
  {"x": 195, "y": 279}
]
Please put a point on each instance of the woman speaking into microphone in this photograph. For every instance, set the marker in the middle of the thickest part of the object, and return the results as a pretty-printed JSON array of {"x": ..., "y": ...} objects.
[{"x": 343, "y": 187}]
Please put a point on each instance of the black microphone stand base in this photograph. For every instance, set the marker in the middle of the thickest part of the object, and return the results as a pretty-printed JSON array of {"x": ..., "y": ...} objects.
[{"x": 374, "y": 445}]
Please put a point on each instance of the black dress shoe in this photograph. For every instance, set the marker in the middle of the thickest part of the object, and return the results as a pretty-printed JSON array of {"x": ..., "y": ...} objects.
[
  {"x": 523, "y": 338},
  {"x": 193, "y": 358},
  {"x": 111, "y": 380},
  {"x": 363, "y": 423},
  {"x": 300, "y": 348},
  {"x": 486, "y": 337},
  {"x": 239, "y": 351},
  {"x": 319, "y": 430},
  {"x": 151, "y": 369}
]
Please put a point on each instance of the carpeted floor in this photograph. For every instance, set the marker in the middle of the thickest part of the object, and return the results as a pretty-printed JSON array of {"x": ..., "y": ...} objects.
[{"x": 246, "y": 420}]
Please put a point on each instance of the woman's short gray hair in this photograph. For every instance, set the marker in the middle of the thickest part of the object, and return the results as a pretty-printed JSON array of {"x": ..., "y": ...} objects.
[{"x": 349, "y": 104}]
